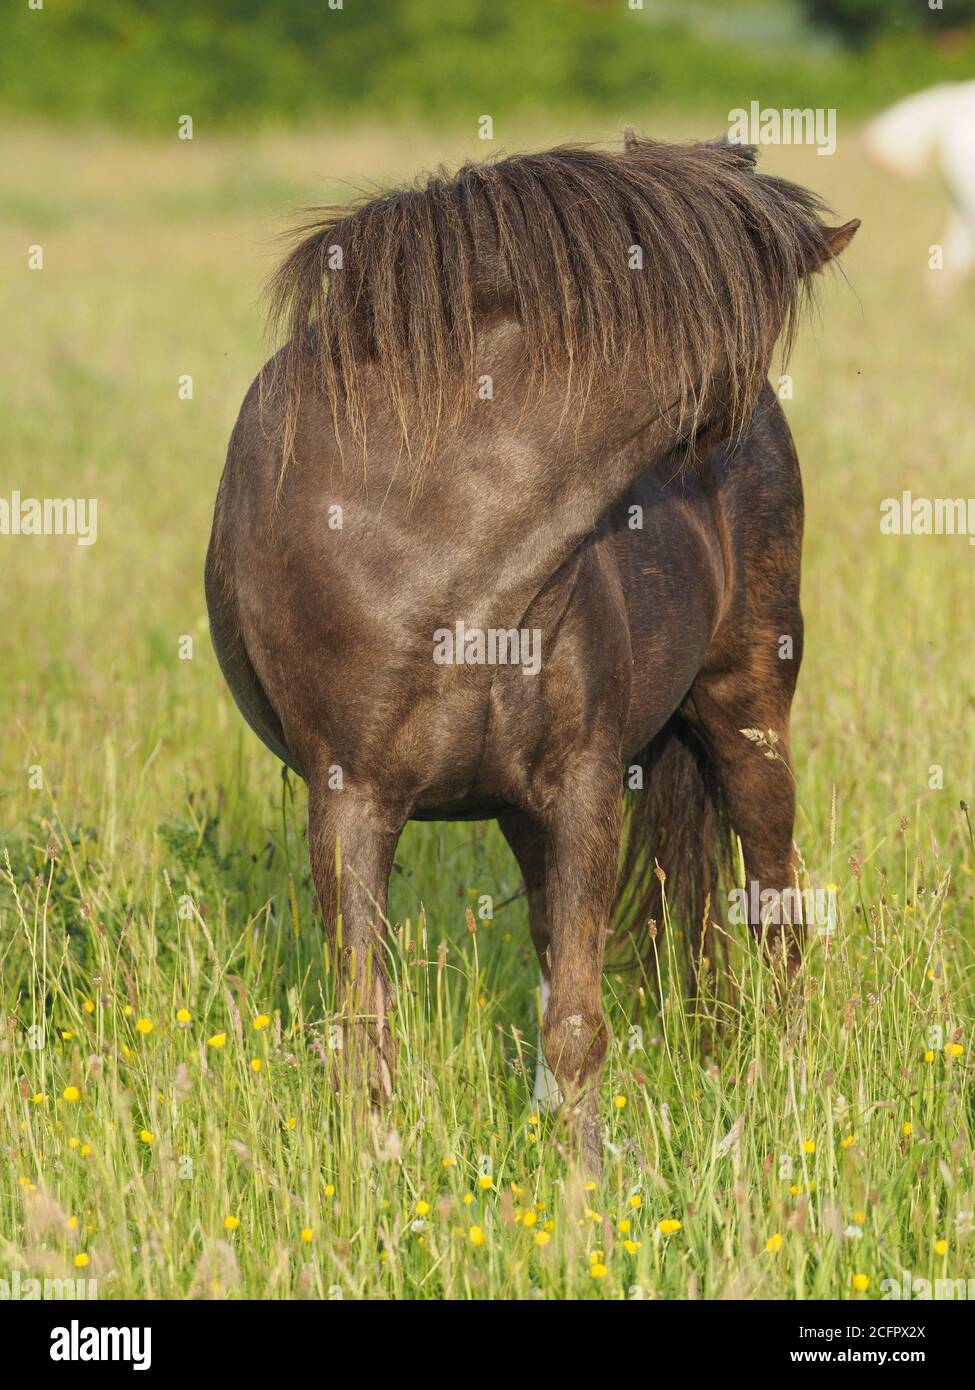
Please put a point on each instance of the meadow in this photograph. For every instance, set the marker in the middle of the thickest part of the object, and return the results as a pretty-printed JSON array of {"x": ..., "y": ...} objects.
[{"x": 167, "y": 1120}]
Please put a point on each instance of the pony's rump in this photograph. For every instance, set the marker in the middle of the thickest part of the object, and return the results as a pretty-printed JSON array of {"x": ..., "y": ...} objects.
[
  {"x": 678, "y": 262},
  {"x": 626, "y": 306}
]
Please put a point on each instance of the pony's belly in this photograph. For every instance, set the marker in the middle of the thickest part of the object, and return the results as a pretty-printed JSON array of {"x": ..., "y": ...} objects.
[{"x": 469, "y": 808}]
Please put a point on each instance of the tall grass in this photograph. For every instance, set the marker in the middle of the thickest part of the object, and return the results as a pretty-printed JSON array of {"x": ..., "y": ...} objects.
[{"x": 155, "y": 861}]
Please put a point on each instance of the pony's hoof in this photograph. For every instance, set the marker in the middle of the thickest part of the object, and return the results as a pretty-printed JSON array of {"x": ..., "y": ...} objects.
[
  {"x": 587, "y": 1134},
  {"x": 592, "y": 1146},
  {"x": 367, "y": 1064}
]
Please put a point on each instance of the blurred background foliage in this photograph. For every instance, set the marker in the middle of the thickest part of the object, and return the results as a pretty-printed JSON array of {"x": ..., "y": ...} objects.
[{"x": 240, "y": 63}]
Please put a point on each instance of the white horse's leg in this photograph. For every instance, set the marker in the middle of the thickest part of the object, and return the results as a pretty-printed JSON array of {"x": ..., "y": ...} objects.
[
  {"x": 959, "y": 246},
  {"x": 546, "y": 1095}
]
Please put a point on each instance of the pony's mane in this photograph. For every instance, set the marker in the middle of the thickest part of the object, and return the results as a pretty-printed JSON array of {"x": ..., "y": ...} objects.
[{"x": 553, "y": 239}]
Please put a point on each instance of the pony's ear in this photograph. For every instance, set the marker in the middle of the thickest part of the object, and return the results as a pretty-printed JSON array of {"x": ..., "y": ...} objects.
[{"x": 835, "y": 242}]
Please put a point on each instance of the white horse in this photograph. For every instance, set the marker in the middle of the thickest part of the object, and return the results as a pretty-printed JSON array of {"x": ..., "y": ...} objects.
[{"x": 936, "y": 126}]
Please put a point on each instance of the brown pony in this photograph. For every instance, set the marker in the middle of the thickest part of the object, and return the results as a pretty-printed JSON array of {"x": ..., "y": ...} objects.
[{"x": 513, "y": 514}]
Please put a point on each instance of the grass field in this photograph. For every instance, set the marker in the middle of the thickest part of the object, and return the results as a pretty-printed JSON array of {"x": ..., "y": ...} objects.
[{"x": 166, "y": 1122}]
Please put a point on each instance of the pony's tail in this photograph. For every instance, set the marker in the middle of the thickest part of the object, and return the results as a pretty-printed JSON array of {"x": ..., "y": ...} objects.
[{"x": 676, "y": 845}]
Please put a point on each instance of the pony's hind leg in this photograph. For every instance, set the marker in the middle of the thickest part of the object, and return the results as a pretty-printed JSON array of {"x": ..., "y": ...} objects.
[
  {"x": 743, "y": 720},
  {"x": 527, "y": 841},
  {"x": 352, "y": 842}
]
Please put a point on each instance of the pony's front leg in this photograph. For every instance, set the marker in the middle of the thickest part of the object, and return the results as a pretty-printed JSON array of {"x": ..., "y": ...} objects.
[
  {"x": 352, "y": 841},
  {"x": 583, "y": 830}
]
